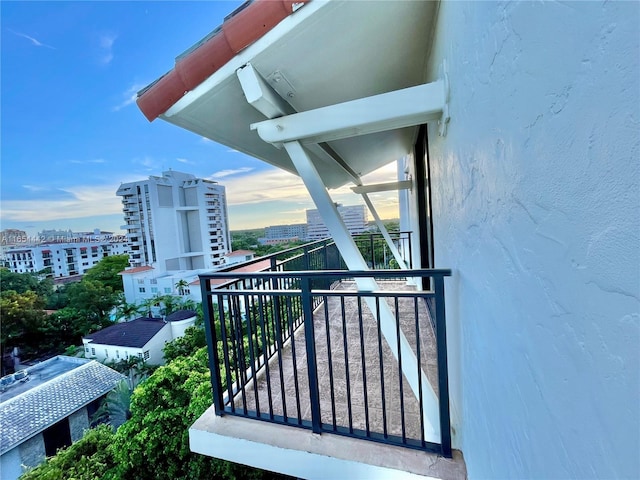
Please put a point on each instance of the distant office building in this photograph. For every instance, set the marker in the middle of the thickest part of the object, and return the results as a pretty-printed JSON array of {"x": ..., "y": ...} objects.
[
  {"x": 176, "y": 222},
  {"x": 354, "y": 217},
  {"x": 63, "y": 259},
  {"x": 277, "y": 234}
]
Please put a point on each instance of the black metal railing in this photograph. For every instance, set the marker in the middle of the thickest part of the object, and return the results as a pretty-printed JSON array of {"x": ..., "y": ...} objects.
[{"x": 306, "y": 348}]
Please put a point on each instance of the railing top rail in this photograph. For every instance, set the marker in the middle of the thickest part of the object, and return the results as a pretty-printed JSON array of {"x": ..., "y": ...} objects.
[
  {"x": 315, "y": 243},
  {"x": 427, "y": 272}
]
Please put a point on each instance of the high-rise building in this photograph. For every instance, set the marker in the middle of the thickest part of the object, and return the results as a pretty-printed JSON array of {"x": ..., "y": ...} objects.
[
  {"x": 354, "y": 216},
  {"x": 176, "y": 222}
]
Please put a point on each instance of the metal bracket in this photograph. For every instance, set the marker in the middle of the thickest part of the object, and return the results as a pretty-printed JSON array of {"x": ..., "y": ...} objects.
[{"x": 444, "y": 119}]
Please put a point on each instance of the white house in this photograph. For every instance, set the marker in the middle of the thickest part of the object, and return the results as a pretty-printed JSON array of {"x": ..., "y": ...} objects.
[
  {"x": 517, "y": 126},
  {"x": 143, "y": 337}
]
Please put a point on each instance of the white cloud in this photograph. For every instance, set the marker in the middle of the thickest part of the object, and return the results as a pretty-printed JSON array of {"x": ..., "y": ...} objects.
[
  {"x": 83, "y": 162},
  {"x": 206, "y": 140},
  {"x": 82, "y": 201},
  {"x": 229, "y": 172},
  {"x": 184, "y": 160},
  {"x": 35, "y": 188},
  {"x": 33, "y": 40},
  {"x": 106, "y": 48},
  {"x": 129, "y": 96}
]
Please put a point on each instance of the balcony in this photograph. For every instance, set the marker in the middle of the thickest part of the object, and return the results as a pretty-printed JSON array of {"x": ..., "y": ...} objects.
[{"x": 301, "y": 350}]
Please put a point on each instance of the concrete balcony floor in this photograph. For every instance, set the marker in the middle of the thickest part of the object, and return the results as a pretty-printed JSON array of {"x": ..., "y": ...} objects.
[{"x": 332, "y": 371}]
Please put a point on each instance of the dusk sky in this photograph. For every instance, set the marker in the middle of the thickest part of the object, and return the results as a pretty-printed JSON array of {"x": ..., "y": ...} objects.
[{"x": 71, "y": 131}]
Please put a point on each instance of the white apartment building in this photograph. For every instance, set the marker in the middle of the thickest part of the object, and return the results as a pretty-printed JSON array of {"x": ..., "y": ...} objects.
[
  {"x": 175, "y": 222},
  {"x": 64, "y": 259},
  {"x": 354, "y": 216}
]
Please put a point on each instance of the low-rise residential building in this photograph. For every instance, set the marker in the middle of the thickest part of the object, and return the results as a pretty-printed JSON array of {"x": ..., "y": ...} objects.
[
  {"x": 47, "y": 407},
  {"x": 354, "y": 217},
  {"x": 238, "y": 256},
  {"x": 143, "y": 337}
]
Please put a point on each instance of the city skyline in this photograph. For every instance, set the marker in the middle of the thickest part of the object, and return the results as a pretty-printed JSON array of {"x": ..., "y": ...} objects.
[{"x": 71, "y": 132}]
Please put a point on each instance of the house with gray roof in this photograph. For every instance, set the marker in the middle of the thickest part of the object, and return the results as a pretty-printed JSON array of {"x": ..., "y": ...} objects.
[
  {"x": 47, "y": 407},
  {"x": 143, "y": 337}
]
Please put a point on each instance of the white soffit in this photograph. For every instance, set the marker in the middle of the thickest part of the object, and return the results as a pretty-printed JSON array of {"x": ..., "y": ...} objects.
[{"x": 323, "y": 54}]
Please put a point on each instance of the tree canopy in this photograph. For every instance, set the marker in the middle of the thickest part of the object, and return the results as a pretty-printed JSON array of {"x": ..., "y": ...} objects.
[{"x": 106, "y": 271}]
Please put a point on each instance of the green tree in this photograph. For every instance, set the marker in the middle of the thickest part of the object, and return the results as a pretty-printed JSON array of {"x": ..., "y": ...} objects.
[
  {"x": 93, "y": 299},
  {"x": 193, "y": 340},
  {"x": 106, "y": 271},
  {"x": 23, "y": 318},
  {"x": 181, "y": 285},
  {"x": 25, "y": 282}
]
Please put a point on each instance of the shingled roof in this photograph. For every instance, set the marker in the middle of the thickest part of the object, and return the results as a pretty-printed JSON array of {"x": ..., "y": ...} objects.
[
  {"x": 34, "y": 410},
  {"x": 135, "y": 333}
]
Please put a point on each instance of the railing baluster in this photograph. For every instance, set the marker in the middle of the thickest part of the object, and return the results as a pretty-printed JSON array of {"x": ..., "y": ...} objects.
[
  {"x": 418, "y": 341},
  {"x": 346, "y": 362},
  {"x": 292, "y": 337},
  {"x": 381, "y": 362},
  {"x": 310, "y": 342},
  {"x": 329, "y": 357},
  {"x": 399, "y": 350},
  {"x": 265, "y": 354},
  {"x": 443, "y": 376},
  {"x": 212, "y": 343},
  {"x": 364, "y": 368}
]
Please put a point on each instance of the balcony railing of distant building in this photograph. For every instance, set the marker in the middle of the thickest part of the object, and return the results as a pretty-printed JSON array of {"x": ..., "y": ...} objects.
[{"x": 298, "y": 344}]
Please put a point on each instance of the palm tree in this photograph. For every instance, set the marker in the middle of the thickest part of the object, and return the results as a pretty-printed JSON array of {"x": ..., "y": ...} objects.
[
  {"x": 128, "y": 310},
  {"x": 115, "y": 408},
  {"x": 170, "y": 304},
  {"x": 148, "y": 303},
  {"x": 182, "y": 286}
]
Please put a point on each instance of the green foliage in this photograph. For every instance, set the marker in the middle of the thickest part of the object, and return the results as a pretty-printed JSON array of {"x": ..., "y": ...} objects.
[
  {"x": 25, "y": 282},
  {"x": 115, "y": 408},
  {"x": 157, "y": 433},
  {"x": 90, "y": 458},
  {"x": 23, "y": 319},
  {"x": 194, "y": 339},
  {"x": 106, "y": 271},
  {"x": 93, "y": 299}
]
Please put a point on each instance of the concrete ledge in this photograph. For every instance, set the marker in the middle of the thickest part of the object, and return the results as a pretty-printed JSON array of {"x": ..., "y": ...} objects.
[{"x": 300, "y": 453}]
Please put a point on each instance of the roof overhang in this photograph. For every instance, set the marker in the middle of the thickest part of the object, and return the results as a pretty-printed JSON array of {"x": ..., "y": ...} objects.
[{"x": 320, "y": 54}]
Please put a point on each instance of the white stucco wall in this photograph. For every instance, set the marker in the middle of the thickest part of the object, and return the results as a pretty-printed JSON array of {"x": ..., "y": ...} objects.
[{"x": 536, "y": 209}]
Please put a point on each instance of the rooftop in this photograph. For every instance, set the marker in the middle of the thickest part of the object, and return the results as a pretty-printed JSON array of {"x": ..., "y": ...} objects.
[
  {"x": 180, "y": 315},
  {"x": 135, "y": 333},
  {"x": 135, "y": 270},
  {"x": 47, "y": 393}
]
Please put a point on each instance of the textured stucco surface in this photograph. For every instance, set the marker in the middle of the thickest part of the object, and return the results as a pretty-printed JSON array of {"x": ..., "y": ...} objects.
[
  {"x": 78, "y": 423},
  {"x": 536, "y": 207},
  {"x": 32, "y": 452}
]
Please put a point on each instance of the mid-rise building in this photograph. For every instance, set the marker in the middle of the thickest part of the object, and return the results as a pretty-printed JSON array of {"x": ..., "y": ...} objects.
[
  {"x": 354, "y": 216},
  {"x": 175, "y": 222},
  {"x": 277, "y": 234},
  {"x": 62, "y": 259}
]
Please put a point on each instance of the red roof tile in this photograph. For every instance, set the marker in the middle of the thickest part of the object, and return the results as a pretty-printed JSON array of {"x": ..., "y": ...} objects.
[
  {"x": 243, "y": 28},
  {"x": 135, "y": 270}
]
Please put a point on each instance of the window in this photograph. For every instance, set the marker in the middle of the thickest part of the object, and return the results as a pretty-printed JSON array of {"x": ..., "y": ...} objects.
[
  {"x": 93, "y": 352},
  {"x": 141, "y": 290},
  {"x": 139, "y": 354},
  {"x": 86, "y": 349},
  {"x": 106, "y": 353},
  {"x": 153, "y": 281},
  {"x": 117, "y": 353},
  {"x": 146, "y": 355},
  {"x": 167, "y": 290},
  {"x": 154, "y": 290},
  {"x": 141, "y": 281}
]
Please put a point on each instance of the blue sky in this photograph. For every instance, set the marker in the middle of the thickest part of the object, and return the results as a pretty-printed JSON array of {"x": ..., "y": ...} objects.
[{"x": 71, "y": 132}]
